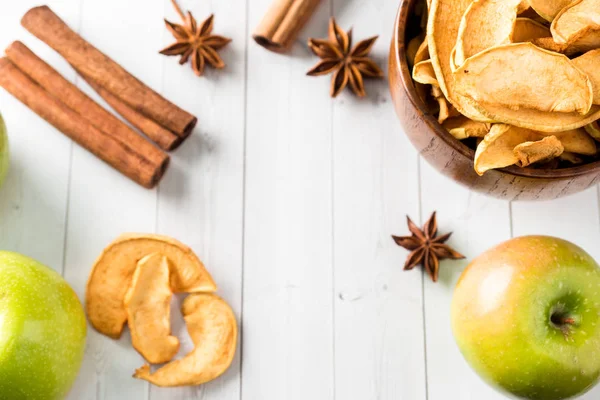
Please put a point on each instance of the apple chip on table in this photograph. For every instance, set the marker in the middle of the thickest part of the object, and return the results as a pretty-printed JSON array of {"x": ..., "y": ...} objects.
[
  {"x": 516, "y": 80},
  {"x": 134, "y": 280}
]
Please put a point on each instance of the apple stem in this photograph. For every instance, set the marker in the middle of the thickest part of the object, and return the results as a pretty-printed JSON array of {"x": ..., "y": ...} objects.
[{"x": 569, "y": 321}]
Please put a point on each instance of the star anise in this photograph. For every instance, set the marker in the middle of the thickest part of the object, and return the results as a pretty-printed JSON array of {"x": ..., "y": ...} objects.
[
  {"x": 195, "y": 41},
  {"x": 348, "y": 66},
  {"x": 427, "y": 248}
]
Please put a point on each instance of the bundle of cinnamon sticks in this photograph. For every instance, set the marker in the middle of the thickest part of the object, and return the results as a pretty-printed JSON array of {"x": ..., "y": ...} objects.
[{"x": 62, "y": 104}]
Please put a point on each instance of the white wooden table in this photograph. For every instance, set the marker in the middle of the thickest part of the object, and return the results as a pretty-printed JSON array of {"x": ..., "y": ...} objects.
[{"x": 288, "y": 196}]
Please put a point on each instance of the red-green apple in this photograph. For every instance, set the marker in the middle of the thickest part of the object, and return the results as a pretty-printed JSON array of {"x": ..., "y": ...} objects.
[
  {"x": 526, "y": 317},
  {"x": 4, "y": 158},
  {"x": 42, "y": 331}
]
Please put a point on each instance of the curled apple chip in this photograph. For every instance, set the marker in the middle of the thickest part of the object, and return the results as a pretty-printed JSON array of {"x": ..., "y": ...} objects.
[
  {"x": 548, "y": 9},
  {"x": 540, "y": 151},
  {"x": 577, "y": 141},
  {"x": 422, "y": 52},
  {"x": 148, "y": 306},
  {"x": 411, "y": 50},
  {"x": 593, "y": 129},
  {"x": 497, "y": 148},
  {"x": 576, "y": 20},
  {"x": 113, "y": 271},
  {"x": 423, "y": 73},
  {"x": 543, "y": 121},
  {"x": 527, "y": 30},
  {"x": 523, "y": 76},
  {"x": 442, "y": 32},
  {"x": 462, "y": 127},
  {"x": 587, "y": 42},
  {"x": 213, "y": 329},
  {"x": 485, "y": 24},
  {"x": 571, "y": 158},
  {"x": 589, "y": 64},
  {"x": 523, "y": 6}
]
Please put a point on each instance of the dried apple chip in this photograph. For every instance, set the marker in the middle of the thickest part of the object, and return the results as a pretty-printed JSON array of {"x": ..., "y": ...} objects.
[
  {"x": 589, "y": 64},
  {"x": 411, "y": 50},
  {"x": 542, "y": 121},
  {"x": 113, "y": 271},
  {"x": 523, "y": 6},
  {"x": 422, "y": 52},
  {"x": 589, "y": 41},
  {"x": 462, "y": 127},
  {"x": 540, "y": 151},
  {"x": 485, "y": 24},
  {"x": 577, "y": 141},
  {"x": 576, "y": 20},
  {"x": 571, "y": 158},
  {"x": 213, "y": 329},
  {"x": 521, "y": 75},
  {"x": 148, "y": 306},
  {"x": 593, "y": 129},
  {"x": 442, "y": 32},
  {"x": 497, "y": 148},
  {"x": 527, "y": 30},
  {"x": 423, "y": 73},
  {"x": 548, "y": 9}
]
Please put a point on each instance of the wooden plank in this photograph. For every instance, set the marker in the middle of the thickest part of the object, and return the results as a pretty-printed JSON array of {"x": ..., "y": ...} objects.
[
  {"x": 574, "y": 218},
  {"x": 33, "y": 201},
  {"x": 287, "y": 318},
  {"x": 379, "y": 333},
  {"x": 478, "y": 223},
  {"x": 104, "y": 204},
  {"x": 201, "y": 198}
]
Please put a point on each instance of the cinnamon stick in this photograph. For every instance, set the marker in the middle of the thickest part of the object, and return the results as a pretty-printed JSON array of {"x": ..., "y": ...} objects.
[
  {"x": 112, "y": 151},
  {"x": 54, "y": 83},
  {"x": 47, "y": 26},
  {"x": 282, "y": 23},
  {"x": 164, "y": 138}
]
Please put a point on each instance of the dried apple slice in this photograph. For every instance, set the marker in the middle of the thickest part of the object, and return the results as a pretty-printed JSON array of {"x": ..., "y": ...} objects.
[
  {"x": 548, "y": 9},
  {"x": 571, "y": 158},
  {"x": 521, "y": 75},
  {"x": 593, "y": 129},
  {"x": 575, "y": 20},
  {"x": 112, "y": 273},
  {"x": 485, "y": 24},
  {"x": 148, "y": 306},
  {"x": 497, "y": 148},
  {"x": 543, "y": 121},
  {"x": 423, "y": 73},
  {"x": 577, "y": 141},
  {"x": 589, "y": 64},
  {"x": 590, "y": 40},
  {"x": 411, "y": 50},
  {"x": 527, "y": 30},
  {"x": 213, "y": 329},
  {"x": 523, "y": 6},
  {"x": 422, "y": 52},
  {"x": 540, "y": 151},
  {"x": 462, "y": 128},
  {"x": 442, "y": 32}
]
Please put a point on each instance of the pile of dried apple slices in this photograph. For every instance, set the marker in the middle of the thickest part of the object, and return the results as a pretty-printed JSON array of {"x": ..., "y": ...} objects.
[{"x": 133, "y": 281}]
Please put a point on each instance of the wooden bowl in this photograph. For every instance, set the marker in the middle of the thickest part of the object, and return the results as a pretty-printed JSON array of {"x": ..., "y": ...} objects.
[{"x": 453, "y": 158}]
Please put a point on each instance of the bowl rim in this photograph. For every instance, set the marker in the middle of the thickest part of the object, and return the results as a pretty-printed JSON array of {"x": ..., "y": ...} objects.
[{"x": 399, "y": 48}]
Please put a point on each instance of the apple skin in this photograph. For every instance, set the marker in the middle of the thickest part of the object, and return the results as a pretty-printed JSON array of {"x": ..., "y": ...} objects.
[
  {"x": 4, "y": 153},
  {"x": 42, "y": 331},
  {"x": 526, "y": 317}
]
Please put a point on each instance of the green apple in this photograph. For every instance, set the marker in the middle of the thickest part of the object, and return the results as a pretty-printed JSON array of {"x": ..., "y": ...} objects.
[
  {"x": 526, "y": 317},
  {"x": 42, "y": 331},
  {"x": 4, "y": 157}
]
